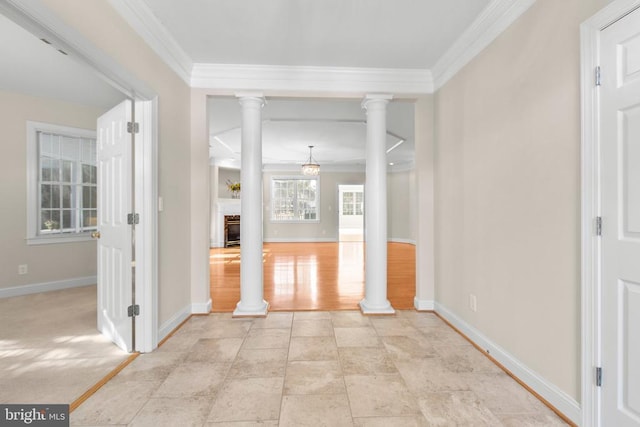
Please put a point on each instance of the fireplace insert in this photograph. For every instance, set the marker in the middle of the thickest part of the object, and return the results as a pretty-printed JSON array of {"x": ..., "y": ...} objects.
[{"x": 231, "y": 230}]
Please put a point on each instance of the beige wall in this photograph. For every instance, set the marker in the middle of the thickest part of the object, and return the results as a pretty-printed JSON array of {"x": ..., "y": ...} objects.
[
  {"x": 424, "y": 211},
  {"x": 99, "y": 23},
  {"x": 401, "y": 206},
  {"x": 46, "y": 263},
  {"x": 224, "y": 174},
  {"x": 508, "y": 191}
]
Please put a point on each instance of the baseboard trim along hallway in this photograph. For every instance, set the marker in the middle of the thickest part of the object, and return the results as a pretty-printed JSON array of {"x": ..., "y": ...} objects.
[
  {"x": 557, "y": 399},
  {"x": 56, "y": 285}
]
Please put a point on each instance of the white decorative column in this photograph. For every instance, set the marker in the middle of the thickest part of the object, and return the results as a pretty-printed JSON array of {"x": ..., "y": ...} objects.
[
  {"x": 375, "y": 198},
  {"x": 251, "y": 302}
]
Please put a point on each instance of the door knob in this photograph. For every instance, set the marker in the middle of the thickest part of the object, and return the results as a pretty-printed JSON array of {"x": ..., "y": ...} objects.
[{"x": 95, "y": 234}]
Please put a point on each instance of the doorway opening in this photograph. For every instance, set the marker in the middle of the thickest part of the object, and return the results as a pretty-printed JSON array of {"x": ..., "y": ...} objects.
[{"x": 351, "y": 213}]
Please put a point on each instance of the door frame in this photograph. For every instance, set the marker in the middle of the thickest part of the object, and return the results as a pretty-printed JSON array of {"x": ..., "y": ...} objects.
[
  {"x": 591, "y": 209},
  {"x": 37, "y": 19},
  {"x": 339, "y": 206}
]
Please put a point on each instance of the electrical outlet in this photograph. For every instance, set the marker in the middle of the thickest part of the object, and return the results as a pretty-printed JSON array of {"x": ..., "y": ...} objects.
[
  {"x": 473, "y": 302},
  {"x": 23, "y": 269}
]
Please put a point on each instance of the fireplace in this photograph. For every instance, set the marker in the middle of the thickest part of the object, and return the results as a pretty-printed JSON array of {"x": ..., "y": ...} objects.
[{"x": 231, "y": 230}]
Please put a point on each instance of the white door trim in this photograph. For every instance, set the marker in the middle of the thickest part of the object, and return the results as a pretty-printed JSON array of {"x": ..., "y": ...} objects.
[
  {"x": 590, "y": 256},
  {"x": 36, "y": 18},
  {"x": 146, "y": 248}
]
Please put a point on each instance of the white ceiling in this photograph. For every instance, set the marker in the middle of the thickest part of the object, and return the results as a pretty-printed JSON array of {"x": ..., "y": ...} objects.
[
  {"x": 33, "y": 67},
  {"x": 336, "y": 129},
  {"x": 333, "y": 33}
]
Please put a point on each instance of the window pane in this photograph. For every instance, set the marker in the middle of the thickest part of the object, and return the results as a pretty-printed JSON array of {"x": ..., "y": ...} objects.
[
  {"x": 67, "y": 171},
  {"x": 89, "y": 197},
  {"x": 50, "y": 220},
  {"x": 70, "y": 148},
  {"x": 49, "y": 196},
  {"x": 45, "y": 169},
  {"x": 45, "y": 196},
  {"x": 294, "y": 199},
  {"x": 89, "y": 151},
  {"x": 67, "y": 197},
  {"x": 66, "y": 220},
  {"x": 44, "y": 140},
  {"x": 66, "y": 163},
  {"x": 89, "y": 218},
  {"x": 94, "y": 197},
  {"x": 55, "y": 196},
  {"x": 54, "y": 167},
  {"x": 88, "y": 174}
]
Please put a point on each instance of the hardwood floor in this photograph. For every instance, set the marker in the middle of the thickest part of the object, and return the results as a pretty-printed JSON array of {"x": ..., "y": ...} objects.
[{"x": 313, "y": 276}]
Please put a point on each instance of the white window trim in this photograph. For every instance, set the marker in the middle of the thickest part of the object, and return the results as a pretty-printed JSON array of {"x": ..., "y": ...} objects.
[
  {"x": 32, "y": 182},
  {"x": 295, "y": 221}
]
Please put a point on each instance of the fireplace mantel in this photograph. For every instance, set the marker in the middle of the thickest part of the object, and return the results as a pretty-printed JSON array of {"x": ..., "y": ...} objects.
[{"x": 223, "y": 207}]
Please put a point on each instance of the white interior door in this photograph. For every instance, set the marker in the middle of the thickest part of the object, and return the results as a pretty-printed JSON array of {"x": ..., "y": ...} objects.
[
  {"x": 351, "y": 212},
  {"x": 114, "y": 244},
  {"x": 620, "y": 172}
]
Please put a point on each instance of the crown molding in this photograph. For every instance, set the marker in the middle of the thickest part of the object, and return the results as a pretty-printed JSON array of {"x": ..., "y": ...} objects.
[
  {"x": 271, "y": 78},
  {"x": 145, "y": 23},
  {"x": 340, "y": 81},
  {"x": 493, "y": 20}
]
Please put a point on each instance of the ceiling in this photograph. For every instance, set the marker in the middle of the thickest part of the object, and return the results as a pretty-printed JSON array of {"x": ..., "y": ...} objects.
[
  {"x": 336, "y": 129},
  {"x": 33, "y": 67},
  {"x": 394, "y": 34},
  {"x": 372, "y": 34}
]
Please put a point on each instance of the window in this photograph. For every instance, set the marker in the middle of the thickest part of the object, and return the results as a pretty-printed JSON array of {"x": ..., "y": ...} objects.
[
  {"x": 62, "y": 184},
  {"x": 295, "y": 199},
  {"x": 352, "y": 203}
]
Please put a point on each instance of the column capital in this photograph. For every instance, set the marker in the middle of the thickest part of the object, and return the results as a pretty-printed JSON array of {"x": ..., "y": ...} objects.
[
  {"x": 372, "y": 98},
  {"x": 250, "y": 95}
]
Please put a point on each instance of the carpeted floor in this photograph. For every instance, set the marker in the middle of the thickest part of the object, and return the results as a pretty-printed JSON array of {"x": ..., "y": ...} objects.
[{"x": 50, "y": 349}]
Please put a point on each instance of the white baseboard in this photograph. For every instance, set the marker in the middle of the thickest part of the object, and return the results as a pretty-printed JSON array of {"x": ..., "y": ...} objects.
[
  {"x": 556, "y": 397},
  {"x": 300, "y": 239},
  {"x": 36, "y": 288},
  {"x": 167, "y": 327},
  {"x": 201, "y": 307},
  {"x": 423, "y": 304},
  {"x": 395, "y": 240}
]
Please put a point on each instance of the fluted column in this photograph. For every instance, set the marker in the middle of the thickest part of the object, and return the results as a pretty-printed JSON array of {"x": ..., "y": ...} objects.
[
  {"x": 252, "y": 301},
  {"x": 375, "y": 197}
]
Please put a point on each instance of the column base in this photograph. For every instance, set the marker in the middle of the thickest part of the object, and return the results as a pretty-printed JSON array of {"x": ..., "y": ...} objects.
[
  {"x": 259, "y": 310},
  {"x": 385, "y": 308}
]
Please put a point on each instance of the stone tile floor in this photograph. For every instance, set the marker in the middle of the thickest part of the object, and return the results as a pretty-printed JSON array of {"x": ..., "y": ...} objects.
[{"x": 314, "y": 369}]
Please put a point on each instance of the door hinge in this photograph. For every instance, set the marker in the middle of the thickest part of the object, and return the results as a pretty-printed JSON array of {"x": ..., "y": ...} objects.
[
  {"x": 133, "y": 219},
  {"x": 598, "y": 76},
  {"x": 599, "y": 376},
  {"x": 133, "y": 127},
  {"x": 598, "y": 226},
  {"x": 133, "y": 310}
]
